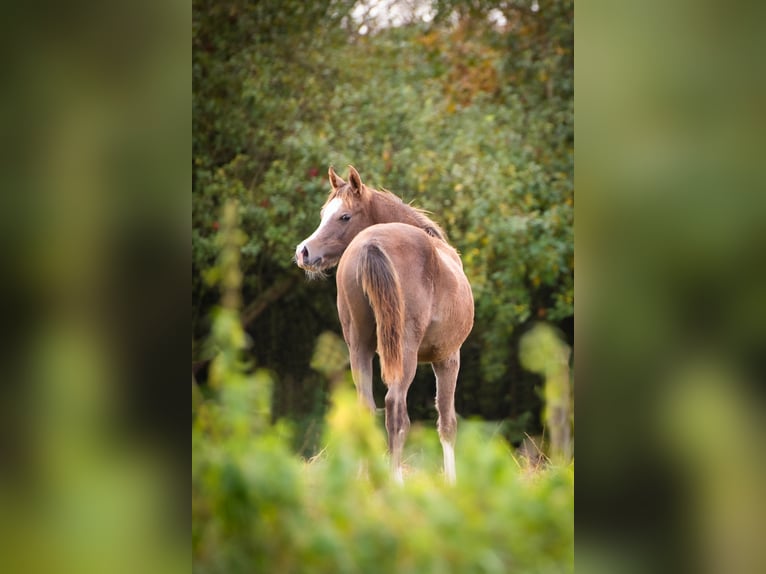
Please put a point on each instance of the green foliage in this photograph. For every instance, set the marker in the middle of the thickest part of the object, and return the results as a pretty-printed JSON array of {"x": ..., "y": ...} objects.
[
  {"x": 469, "y": 120},
  {"x": 542, "y": 351},
  {"x": 258, "y": 507}
]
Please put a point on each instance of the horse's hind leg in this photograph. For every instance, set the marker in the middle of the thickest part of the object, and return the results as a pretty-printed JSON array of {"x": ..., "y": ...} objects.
[
  {"x": 361, "y": 371},
  {"x": 446, "y": 379},
  {"x": 397, "y": 419}
]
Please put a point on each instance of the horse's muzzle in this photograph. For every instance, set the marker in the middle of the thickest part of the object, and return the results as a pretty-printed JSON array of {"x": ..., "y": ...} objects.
[{"x": 305, "y": 261}]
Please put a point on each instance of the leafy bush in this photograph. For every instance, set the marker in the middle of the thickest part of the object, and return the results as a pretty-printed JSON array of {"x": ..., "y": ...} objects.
[{"x": 258, "y": 507}]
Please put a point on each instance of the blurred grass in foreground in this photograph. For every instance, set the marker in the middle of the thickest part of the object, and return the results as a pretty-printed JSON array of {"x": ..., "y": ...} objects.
[{"x": 256, "y": 505}]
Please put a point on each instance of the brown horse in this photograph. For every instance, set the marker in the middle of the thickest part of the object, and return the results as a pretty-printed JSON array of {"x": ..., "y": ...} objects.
[{"x": 401, "y": 292}]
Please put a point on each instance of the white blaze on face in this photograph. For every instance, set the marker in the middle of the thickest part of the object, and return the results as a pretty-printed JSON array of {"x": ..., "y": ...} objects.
[{"x": 328, "y": 213}]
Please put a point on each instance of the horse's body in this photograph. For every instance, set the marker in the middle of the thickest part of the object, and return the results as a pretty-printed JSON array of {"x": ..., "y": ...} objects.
[{"x": 401, "y": 292}]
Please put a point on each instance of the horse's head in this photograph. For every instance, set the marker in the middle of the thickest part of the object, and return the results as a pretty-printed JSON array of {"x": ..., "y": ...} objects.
[{"x": 345, "y": 213}]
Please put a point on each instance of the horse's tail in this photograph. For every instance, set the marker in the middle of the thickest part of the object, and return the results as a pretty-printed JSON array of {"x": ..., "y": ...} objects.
[{"x": 380, "y": 282}]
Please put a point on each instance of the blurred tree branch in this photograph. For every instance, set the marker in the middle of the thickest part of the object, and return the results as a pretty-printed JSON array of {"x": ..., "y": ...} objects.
[{"x": 275, "y": 292}]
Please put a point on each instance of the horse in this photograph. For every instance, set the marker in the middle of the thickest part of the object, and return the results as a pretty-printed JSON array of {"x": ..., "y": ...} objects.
[{"x": 402, "y": 292}]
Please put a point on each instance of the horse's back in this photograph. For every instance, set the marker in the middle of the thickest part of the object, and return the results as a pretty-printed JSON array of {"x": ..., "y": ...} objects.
[{"x": 437, "y": 296}]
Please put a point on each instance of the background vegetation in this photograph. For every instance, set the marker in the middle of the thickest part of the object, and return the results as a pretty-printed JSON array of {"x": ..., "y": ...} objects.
[{"x": 465, "y": 108}]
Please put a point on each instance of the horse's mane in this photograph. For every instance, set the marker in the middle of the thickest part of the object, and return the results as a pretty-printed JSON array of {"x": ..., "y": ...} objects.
[{"x": 419, "y": 216}]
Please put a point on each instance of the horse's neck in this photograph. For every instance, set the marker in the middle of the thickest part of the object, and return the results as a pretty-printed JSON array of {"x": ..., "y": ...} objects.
[
  {"x": 393, "y": 210},
  {"x": 387, "y": 211}
]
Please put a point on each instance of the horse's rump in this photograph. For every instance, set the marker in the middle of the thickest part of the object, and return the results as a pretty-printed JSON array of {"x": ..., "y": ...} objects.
[{"x": 399, "y": 272}]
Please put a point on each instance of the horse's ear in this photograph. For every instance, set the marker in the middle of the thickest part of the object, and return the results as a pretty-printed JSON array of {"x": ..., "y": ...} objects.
[
  {"x": 354, "y": 179},
  {"x": 335, "y": 180}
]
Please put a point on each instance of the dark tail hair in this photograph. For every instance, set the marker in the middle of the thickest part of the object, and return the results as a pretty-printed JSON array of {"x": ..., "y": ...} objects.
[{"x": 380, "y": 283}]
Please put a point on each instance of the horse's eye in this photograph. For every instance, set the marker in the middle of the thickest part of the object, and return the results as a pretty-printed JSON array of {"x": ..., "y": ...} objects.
[{"x": 345, "y": 217}]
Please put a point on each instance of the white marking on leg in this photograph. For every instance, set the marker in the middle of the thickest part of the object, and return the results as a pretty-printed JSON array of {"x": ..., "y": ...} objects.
[
  {"x": 449, "y": 462},
  {"x": 398, "y": 476},
  {"x": 328, "y": 213}
]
